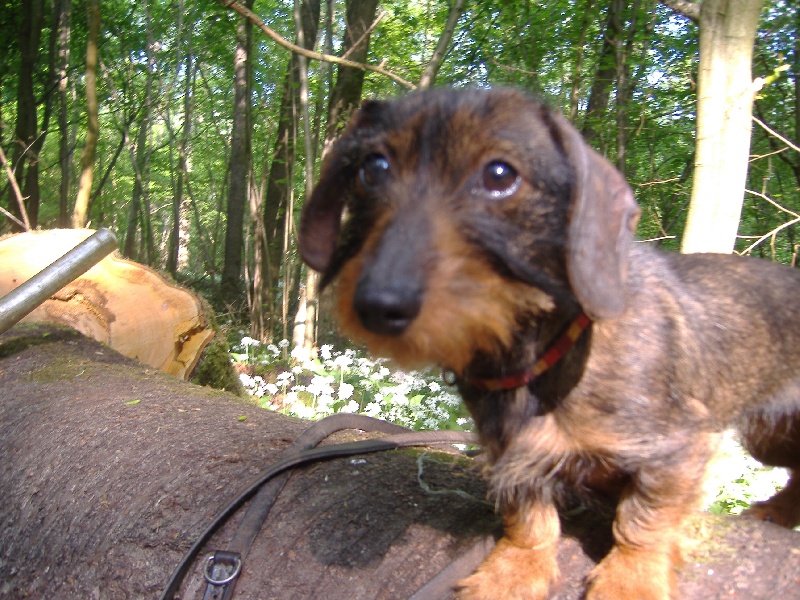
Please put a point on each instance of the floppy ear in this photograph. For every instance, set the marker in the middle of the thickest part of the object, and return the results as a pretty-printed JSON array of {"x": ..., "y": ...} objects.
[
  {"x": 602, "y": 222},
  {"x": 321, "y": 219}
]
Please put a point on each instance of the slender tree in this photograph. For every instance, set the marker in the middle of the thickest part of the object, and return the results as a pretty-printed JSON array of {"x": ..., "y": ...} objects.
[
  {"x": 725, "y": 93},
  {"x": 64, "y": 153},
  {"x": 270, "y": 245},
  {"x": 349, "y": 84},
  {"x": 435, "y": 63},
  {"x": 240, "y": 162},
  {"x": 80, "y": 214},
  {"x": 25, "y": 159}
]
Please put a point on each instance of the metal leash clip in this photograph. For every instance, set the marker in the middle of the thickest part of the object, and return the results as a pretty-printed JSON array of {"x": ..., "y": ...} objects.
[{"x": 221, "y": 569}]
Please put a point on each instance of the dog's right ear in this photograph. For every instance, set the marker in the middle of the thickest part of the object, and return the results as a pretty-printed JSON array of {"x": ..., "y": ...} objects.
[
  {"x": 321, "y": 219},
  {"x": 602, "y": 222}
]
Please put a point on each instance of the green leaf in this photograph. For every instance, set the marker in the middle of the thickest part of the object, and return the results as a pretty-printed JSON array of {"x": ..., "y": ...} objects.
[
  {"x": 242, "y": 418},
  {"x": 132, "y": 402}
]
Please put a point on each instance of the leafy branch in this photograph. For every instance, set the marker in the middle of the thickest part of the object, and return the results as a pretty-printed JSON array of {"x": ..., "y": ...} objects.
[{"x": 272, "y": 34}]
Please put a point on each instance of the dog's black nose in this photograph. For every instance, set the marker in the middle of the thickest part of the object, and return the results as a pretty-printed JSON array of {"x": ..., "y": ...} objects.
[{"x": 386, "y": 309}]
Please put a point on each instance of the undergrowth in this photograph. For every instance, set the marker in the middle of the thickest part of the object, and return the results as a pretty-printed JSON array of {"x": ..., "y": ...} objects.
[{"x": 346, "y": 381}]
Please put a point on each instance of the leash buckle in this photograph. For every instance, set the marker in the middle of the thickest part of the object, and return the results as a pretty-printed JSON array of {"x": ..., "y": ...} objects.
[{"x": 222, "y": 567}]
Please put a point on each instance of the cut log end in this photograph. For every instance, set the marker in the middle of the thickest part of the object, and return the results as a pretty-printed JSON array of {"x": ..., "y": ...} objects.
[{"x": 123, "y": 304}]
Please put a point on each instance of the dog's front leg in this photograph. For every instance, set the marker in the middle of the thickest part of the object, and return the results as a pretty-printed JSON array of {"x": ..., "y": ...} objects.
[
  {"x": 647, "y": 533},
  {"x": 522, "y": 565}
]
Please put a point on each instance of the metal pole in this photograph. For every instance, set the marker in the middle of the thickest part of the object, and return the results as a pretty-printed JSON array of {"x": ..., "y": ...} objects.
[{"x": 26, "y": 297}]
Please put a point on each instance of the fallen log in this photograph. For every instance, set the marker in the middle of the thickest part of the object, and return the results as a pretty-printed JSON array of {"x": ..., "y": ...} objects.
[
  {"x": 119, "y": 302},
  {"x": 112, "y": 469}
]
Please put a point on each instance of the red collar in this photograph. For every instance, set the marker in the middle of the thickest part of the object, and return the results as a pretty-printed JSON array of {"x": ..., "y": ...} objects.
[{"x": 555, "y": 353}]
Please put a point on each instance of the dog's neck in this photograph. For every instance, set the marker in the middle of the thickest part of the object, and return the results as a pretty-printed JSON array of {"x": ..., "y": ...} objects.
[
  {"x": 546, "y": 343},
  {"x": 547, "y": 359},
  {"x": 502, "y": 411}
]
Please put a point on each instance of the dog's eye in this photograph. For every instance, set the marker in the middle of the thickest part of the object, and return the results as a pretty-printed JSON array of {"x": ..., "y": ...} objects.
[
  {"x": 374, "y": 170},
  {"x": 500, "y": 179}
]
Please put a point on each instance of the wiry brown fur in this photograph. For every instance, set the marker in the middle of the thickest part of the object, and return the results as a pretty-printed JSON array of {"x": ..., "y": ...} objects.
[{"x": 437, "y": 262}]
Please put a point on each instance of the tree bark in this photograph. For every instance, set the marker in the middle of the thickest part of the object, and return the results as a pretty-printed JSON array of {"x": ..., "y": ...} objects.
[
  {"x": 80, "y": 214},
  {"x": 725, "y": 95}
]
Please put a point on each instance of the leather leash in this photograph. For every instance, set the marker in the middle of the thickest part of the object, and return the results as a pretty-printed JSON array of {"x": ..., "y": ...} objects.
[{"x": 223, "y": 567}]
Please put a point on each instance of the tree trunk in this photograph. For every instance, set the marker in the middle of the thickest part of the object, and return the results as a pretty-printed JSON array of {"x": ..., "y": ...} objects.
[
  {"x": 123, "y": 304},
  {"x": 279, "y": 182},
  {"x": 64, "y": 153},
  {"x": 114, "y": 470},
  {"x": 80, "y": 214},
  {"x": 231, "y": 283},
  {"x": 345, "y": 97},
  {"x": 138, "y": 213},
  {"x": 580, "y": 53},
  {"x": 24, "y": 158},
  {"x": 173, "y": 248},
  {"x": 603, "y": 82},
  {"x": 346, "y": 93},
  {"x": 725, "y": 94},
  {"x": 435, "y": 63}
]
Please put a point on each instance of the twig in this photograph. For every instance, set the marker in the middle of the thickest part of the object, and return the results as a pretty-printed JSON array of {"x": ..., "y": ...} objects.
[
  {"x": 12, "y": 217},
  {"x": 771, "y": 201},
  {"x": 656, "y": 239},
  {"x": 369, "y": 30},
  {"x": 659, "y": 182},
  {"x": 256, "y": 20},
  {"x": 777, "y": 135},
  {"x": 770, "y": 234},
  {"x": 20, "y": 200}
]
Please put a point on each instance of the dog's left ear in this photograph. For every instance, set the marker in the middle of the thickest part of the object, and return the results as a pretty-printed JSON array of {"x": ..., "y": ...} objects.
[{"x": 603, "y": 219}]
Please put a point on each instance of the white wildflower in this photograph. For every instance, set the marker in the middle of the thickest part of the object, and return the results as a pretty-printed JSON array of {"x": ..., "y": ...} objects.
[{"x": 350, "y": 407}]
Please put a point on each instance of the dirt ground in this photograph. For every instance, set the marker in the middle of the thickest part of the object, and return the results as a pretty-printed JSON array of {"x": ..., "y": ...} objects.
[{"x": 111, "y": 470}]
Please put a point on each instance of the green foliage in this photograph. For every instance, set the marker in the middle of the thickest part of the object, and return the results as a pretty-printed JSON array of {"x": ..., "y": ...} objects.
[{"x": 736, "y": 479}]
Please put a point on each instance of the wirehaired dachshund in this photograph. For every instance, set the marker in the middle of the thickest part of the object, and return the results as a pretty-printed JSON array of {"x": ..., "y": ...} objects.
[{"x": 476, "y": 230}]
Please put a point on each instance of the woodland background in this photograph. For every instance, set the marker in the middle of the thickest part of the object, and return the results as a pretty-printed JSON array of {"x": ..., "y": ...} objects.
[{"x": 195, "y": 136}]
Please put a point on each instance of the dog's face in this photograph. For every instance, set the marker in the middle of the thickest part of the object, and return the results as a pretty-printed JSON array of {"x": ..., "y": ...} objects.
[{"x": 449, "y": 220}]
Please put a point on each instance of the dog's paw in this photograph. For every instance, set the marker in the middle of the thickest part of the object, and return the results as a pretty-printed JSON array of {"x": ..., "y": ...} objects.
[
  {"x": 637, "y": 575},
  {"x": 511, "y": 573},
  {"x": 783, "y": 509}
]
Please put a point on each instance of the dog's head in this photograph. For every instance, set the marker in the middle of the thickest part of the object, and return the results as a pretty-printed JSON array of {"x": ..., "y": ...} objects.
[{"x": 447, "y": 219}]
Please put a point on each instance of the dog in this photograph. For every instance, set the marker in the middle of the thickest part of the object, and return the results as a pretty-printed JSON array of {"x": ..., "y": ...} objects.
[{"x": 477, "y": 231}]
